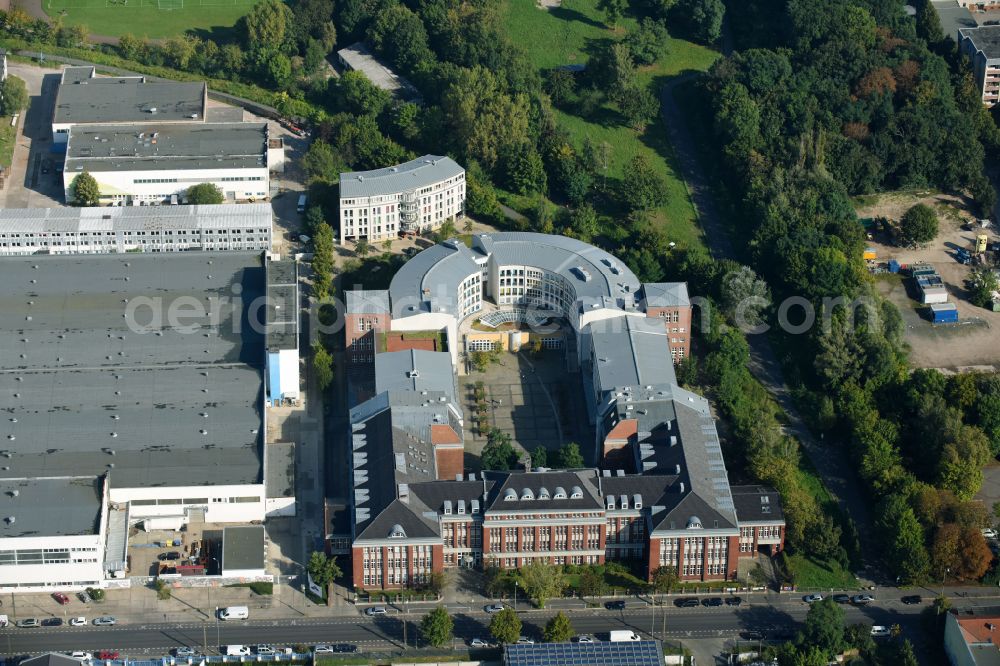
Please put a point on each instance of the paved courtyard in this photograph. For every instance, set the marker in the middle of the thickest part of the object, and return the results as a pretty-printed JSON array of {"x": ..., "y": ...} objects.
[{"x": 532, "y": 398}]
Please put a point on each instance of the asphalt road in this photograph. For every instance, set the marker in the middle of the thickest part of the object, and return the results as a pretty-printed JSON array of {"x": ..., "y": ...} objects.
[{"x": 386, "y": 632}]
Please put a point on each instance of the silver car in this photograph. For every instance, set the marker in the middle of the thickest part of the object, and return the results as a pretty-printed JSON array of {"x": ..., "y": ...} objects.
[{"x": 105, "y": 621}]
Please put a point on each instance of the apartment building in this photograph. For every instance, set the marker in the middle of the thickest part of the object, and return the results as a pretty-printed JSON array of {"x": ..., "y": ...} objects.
[
  {"x": 414, "y": 197},
  {"x": 107, "y": 230},
  {"x": 982, "y": 46}
]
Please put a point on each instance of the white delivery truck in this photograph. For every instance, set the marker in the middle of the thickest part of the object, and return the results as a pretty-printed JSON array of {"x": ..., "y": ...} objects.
[
  {"x": 237, "y": 650},
  {"x": 234, "y": 613},
  {"x": 623, "y": 635}
]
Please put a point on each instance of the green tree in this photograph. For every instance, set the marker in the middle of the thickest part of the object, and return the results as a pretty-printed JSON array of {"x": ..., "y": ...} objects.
[
  {"x": 362, "y": 248},
  {"x": 525, "y": 172},
  {"x": 824, "y": 627},
  {"x": 322, "y": 366},
  {"x": 570, "y": 456},
  {"x": 665, "y": 579},
  {"x": 322, "y": 568},
  {"x": 541, "y": 581},
  {"x": 203, "y": 193},
  {"x": 928, "y": 22},
  {"x": 85, "y": 190},
  {"x": 558, "y": 630},
  {"x": 560, "y": 84},
  {"x": 613, "y": 10},
  {"x": 322, "y": 261},
  {"x": 640, "y": 107},
  {"x": 584, "y": 223},
  {"x": 539, "y": 456},
  {"x": 400, "y": 34},
  {"x": 498, "y": 453},
  {"x": 918, "y": 225},
  {"x": 13, "y": 95},
  {"x": 982, "y": 283},
  {"x": 131, "y": 47},
  {"x": 437, "y": 627},
  {"x": 321, "y": 163},
  {"x": 643, "y": 188},
  {"x": 705, "y": 19},
  {"x": 355, "y": 93},
  {"x": 906, "y": 553},
  {"x": 648, "y": 43},
  {"x": 264, "y": 27},
  {"x": 437, "y": 581},
  {"x": 591, "y": 582},
  {"x": 505, "y": 627}
]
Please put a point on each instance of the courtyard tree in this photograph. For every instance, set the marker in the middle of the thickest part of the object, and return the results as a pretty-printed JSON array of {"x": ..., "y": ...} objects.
[
  {"x": 558, "y": 630},
  {"x": 541, "y": 581},
  {"x": 13, "y": 95},
  {"x": 505, "y": 627},
  {"x": 591, "y": 582},
  {"x": 204, "y": 193},
  {"x": 918, "y": 225},
  {"x": 539, "y": 456},
  {"x": 362, "y": 248},
  {"x": 322, "y": 366},
  {"x": 323, "y": 570},
  {"x": 570, "y": 456},
  {"x": 499, "y": 453},
  {"x": 665, "y": 579},
  {"x": 85, "y": 190},
  {"x": 437, "y": 627}
]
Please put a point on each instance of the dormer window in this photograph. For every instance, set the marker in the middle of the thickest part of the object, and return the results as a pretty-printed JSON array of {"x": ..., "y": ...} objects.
[
  {"x": 527, "y": 494},
  {"x": 397, "y": 532},
  {"x": 610, "y": 502},
  {"x": 560, "y": 493},
  {"x": 694, "y": 523},
  {"x": 543, "y": 493},
  {"x": 447, "y": 507},
  {"x": 461, "y": 507},
  {"x": 576, "y": 493},
  {"x": 510, "y": 495}
]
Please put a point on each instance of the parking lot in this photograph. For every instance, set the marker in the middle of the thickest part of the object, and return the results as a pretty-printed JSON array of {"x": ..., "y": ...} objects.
[{"x": 972, "y": 342}]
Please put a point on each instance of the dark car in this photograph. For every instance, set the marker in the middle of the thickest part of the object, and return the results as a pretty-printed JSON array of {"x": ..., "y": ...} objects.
[
  {"x": 615, "y": 605},
  {"x": 713, "y": 601},
  {"x": 52, "y": 622},
  {"x": 689, "y": 602},
  {"x": 46, "y": 166},
  {"x": 107, "y": 655},
  {"x": 842, "y": 598},
  {"x": 752, "y": 635},
  {"x": 344, "y": 648},
  {"x": 734, "y": 601},
  {"x": 912, "y": 599},
  {"x": 172, "y": 555}
]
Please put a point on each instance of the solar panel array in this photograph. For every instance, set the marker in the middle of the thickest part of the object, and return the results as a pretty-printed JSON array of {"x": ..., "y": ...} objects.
[{"x": 631, "y": 653}]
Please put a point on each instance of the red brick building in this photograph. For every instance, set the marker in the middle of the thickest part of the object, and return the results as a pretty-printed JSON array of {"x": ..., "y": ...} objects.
[{"x": 366, "y": 313}]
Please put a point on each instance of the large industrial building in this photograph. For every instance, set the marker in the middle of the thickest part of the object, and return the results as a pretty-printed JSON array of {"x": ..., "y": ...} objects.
[
  {"x": 105, "y": 230},
  {"x": 132, "y": 394},
  {"x": 659, "y": 495},
  {"x": 157, "y": 163},
  {"x": 414, "y": 197}
]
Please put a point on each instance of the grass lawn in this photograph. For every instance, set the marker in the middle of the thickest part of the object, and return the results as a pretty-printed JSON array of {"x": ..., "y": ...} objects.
[
  {"x": 810, "y": 574},
  {"x": 8, "y": 135},
  {"x": 146, "y": 18},
  {"x": 568, "y": 35}
]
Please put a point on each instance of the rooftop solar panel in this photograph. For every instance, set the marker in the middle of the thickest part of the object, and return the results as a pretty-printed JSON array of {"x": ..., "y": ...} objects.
[{"x": 638, "y": 653}]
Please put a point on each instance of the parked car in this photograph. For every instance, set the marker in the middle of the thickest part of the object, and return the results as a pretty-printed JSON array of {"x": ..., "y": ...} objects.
[
  {"x": 842, "y": 598},
  {"x": 478, "y": 643},
  {"x": 81, "y": 655},
  {"x": 345, "y": 648},
  {"x": 61, "y": 598},
  {"x": 84, "y": 597},
  {"x": 172, "y": 555},
  {"x": 376, "y": 610},
  {"x": 584, "y": 638},
  {"x": 688, "y": 602},
  {"x": 52, "y": 622},
  {"x": 524, "y": 640},
  {"x": 78, "y": 622},
  {"x": 46, "y": 166},
  {"x": 105, "y": 621},
  {"x": 615, "y": 605},
  {"x": 712, "y": 602},
  {"x": 752, "y": 635},
  {"x": 880, "y": 630},
  {"x": 494, "y": 608},
  {"x": 734, "y": 601},
  {"x": 812, "y": 598},
  {"x": 862, "y": 599},
  {"x": 184, "y": 652},
  {"x": 264, "y": 649},
  {"x": 107, "y": 655},
  {"x": 323, "y": 649},
  {"x": 912, "y": 599},
  {"x": 28, "y": 623},
  {"x": 990, "y": 533}
]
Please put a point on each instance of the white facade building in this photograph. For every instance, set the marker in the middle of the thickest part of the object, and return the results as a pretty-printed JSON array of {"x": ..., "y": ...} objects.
[
  {"x": 413, "y": 197},
  {"x": 103, "y": 230},
  {"x": 135, "y": 165}
]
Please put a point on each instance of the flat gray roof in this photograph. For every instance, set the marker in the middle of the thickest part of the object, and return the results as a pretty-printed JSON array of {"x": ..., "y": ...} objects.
[
  {"x": 367, "y": 301},
  {"x": 665, "y": 294},
  {"x": 631, "y": 351},
  {"x": 280, "y": 469},
  {"x": 985, "y": 38},
  {"x": 282, "y": 305},
  {"x": 155, "y": 147},
  {"x": 405, "y": 177},
  {"x": 134, "y": 218},
  {"x": 96, "y": 384},
  {"x": 415, "y": 370},
  {"x": 243, "y": 547},
  {"x": 359, "y": 58},
  {"x": 87, "y": 99},
  {"x": 50, "y": 507}
]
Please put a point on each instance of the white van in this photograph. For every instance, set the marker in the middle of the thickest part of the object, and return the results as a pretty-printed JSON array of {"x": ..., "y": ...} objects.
[
  {"x": 302, "y": 204},
  {"x": 237, "y": 650},
  {"x": 234, "y": 613}
]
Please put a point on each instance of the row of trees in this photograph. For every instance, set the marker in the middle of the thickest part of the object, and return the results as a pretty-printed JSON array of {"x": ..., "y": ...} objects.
[
  {"x": 437, "y": 627},
  {"x": 499, "y": 454},
  {"x": 847, "y": 100}
]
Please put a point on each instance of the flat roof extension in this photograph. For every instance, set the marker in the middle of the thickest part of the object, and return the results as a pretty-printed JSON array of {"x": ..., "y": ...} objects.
[
  {"x": 65, "y": 506},
  {"x": 89, "y": 99},
  {"x": 242, "y": 548}
]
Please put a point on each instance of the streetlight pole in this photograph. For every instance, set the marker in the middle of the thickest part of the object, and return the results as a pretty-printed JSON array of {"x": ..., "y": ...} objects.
[{"x": 515, "y": 596}]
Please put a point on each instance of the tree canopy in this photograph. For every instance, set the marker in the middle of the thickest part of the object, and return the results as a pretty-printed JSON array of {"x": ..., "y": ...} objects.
[
  {"x": 437, "y": 627},
  {"x": 918, "y": 225},
  {"x": 85, "y": 190},
  {"x": 558, "y": 629},
  {"x": 505, "y": 626},
  {"x": 204, "y": 193}
]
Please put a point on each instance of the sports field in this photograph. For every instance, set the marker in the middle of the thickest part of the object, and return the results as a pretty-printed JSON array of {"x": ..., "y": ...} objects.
[{"x": 148, "y": 18}]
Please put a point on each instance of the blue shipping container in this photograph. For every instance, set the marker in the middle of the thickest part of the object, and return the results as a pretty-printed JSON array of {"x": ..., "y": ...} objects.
[{"x": 944, "y": 313}]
